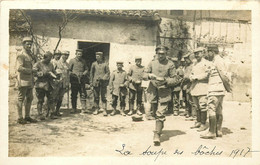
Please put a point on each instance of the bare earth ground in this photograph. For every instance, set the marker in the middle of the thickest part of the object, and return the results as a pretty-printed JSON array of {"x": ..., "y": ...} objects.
[{"x": 89, "y": 135}]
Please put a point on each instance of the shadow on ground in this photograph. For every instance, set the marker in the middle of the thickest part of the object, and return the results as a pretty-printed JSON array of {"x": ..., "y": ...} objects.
[{"x": 167, "y": 134}]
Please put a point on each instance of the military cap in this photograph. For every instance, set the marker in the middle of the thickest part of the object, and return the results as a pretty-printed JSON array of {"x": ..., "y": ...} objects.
[
  {"x": 199, "y": 49},
  {"x": 136, "y": 117},
  {"x": 27, "y": 39},
  {"x": 174, "y": 59},
  {"x": 161, "y": 51},
  {"x": 119, "y": 62},
  {"x": 57, "y": 52},
  {"x": 79, "y": 50},
  {"x": 65, "y": 52},
  {"x": 187, "y": 55},
  {"x": 161, "y": 47},
  {"x": 47, "y": 54},
  {"x": 212, "y": 48},
  {"x": 138, "y": 58},
  {"x": 99, "y": 53}
]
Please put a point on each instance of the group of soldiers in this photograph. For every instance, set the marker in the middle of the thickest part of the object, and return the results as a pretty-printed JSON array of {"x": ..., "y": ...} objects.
[{"x": 158, "y": 86}]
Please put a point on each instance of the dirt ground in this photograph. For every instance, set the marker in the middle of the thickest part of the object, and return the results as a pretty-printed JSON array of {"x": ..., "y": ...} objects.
[{"x": 90, "y": 135}]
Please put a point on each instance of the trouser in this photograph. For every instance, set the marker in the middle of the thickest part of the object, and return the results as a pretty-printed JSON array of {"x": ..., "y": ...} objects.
[
  {"x": 59, "y": 97},
  {"x": 176, "y": 100},
  {"x": 75, "y": 89},
  {"x": 135, "y": 94},
  {"x": 121, "y": 99},
  {"x": 200, "y": 103},
  {"x": 190, "y": 107},
  {"x": 41, "y": 93},
  {"x": 160, "y": 111},
  {"x": 24, "y": 92},
  {"x": 100, "y": 91},
  {"x": 215, "y": 105}
]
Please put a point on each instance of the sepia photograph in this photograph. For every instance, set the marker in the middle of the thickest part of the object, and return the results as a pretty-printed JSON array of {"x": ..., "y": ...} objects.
[{"x": 159, "y": 84}]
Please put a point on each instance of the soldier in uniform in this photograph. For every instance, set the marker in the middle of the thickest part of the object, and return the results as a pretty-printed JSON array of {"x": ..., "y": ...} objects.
[
  {"x": 78, "y": 75},
  {"x": 118, "y": 83},
  {"x": 162, "y": 74},
  {"x": 99, "y": 78},
  {"x": 45, "y": 74},
  {"x": 56, "y": 58},
  {"x": 135, "y": 75},
  {"x": 62, "y": 68},
  {"x": 216, "y": 93},
  {"x": 199, "y": 78},
  {"x": 24, "y": 64},
  {"x": 186, "y": 85}
]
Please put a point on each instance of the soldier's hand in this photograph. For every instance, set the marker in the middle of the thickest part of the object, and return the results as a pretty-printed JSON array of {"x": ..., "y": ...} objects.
[
  {"x": 152, "y": 76},
  {"x": 39, "y": 74}
]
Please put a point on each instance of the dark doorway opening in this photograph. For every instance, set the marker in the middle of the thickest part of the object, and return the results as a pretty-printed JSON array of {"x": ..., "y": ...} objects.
[{"x": 90, "y": 49}]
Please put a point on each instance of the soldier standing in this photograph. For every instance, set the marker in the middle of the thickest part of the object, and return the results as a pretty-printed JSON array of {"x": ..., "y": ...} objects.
[
  {"x": 45, "y": 73},
  {"x": 78, "y": 76},
  {"x": 62, "y": 68},
  {"x": 135, "y": 75},
  {"x": 99, "y": 78},
  {"x": 162, "y": 74},
  {"x": 118, "y": 83},
  {"x": 186, "y": 85},
  {"x": 199, "y": 78},
  {"x": 24, "y": 64},
  {"x": 216, "y": 93}
]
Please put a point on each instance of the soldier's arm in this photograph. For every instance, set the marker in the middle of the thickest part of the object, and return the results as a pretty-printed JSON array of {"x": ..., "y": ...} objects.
[
  {"x": 130, "y": 73},
  {"x": 173, "y": 79},
  {"x": 147, "y": 72},
  {"x": 20, "y": 67},
  {"x": 71, "y": 63},
  {"x": 111, "y": 81},
  {"x": 107, "y": 71},
  {"x": 92, "y": 70},
  {"x": 86, "y": 69},
  {"x": 37, "y": 70},
  {"x": 126, "y": 80}
]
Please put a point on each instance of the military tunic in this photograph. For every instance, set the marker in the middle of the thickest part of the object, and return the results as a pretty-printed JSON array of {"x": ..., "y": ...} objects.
[
  {"x": 118, "y": 84},
  {"x": 160, "y": 91},
  {"x": 78, "y": 78},
  {"x": 135, "y": 76},
  {"x": 99, "y": 78}
]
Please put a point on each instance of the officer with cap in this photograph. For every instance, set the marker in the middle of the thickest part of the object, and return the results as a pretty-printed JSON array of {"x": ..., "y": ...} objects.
[
  {"x": 78, "y": 76},
  {"x": 135, "y": 75},
  {"x": 162, "y": 74},
  {"x": 45, "y": 77},
  {"x": 62, "y": 68},
  {"x": 199, "y": 87},
  {"x": 25, "y": 61},
  {"x": 118, "y": 87},
  {"x": 99, "y": 78},
  {"x": 216, "y": 93}
]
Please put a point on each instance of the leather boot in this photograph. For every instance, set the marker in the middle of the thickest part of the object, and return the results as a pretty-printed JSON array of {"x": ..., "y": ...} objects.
[
  {"x": 219, "y": 125},
  {"x": 198, "y": 122},
  {"x": 104, "y": 108},
  {"x": 83, "y": 106},
  {"x": 122, "y": 111},
  {"x": 138, "y": 112},
  {"x": 39, "y": 109},
  {"x": 212, "y": 129},
  {"x": 113, "y": 112},
  {"x": 131, "y": 109},
  {"x": 96, "y": 105},
  {"x": 203, "y": 126},
  {"x": 20, "y": 109},
  {"x": 157, "y": 133},
  {"x": 74, "y": 105},
  {"x": 27, "y": 113},
  {"x": 58, "y": 105}
]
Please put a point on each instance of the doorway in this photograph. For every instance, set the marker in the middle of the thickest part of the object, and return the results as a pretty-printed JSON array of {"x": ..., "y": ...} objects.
[{"x": 90, "y": 49}]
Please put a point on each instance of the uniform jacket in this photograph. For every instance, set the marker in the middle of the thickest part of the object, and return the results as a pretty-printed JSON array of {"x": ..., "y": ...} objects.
[
  {"x": 200, "y": 71},
  {"x": 46, "y": 81},
  {"x": 216, "y": 86},
  {"x": 79, "y": 70},
  {"x": 24, "y": 65},
  {"x": 118, "y": 78},
  {"x": 135, "y": 75},
  {"x": 186, "y": 83},
  {"x": 63, "y": 69},
  {"x": 99, "y": 72}
]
